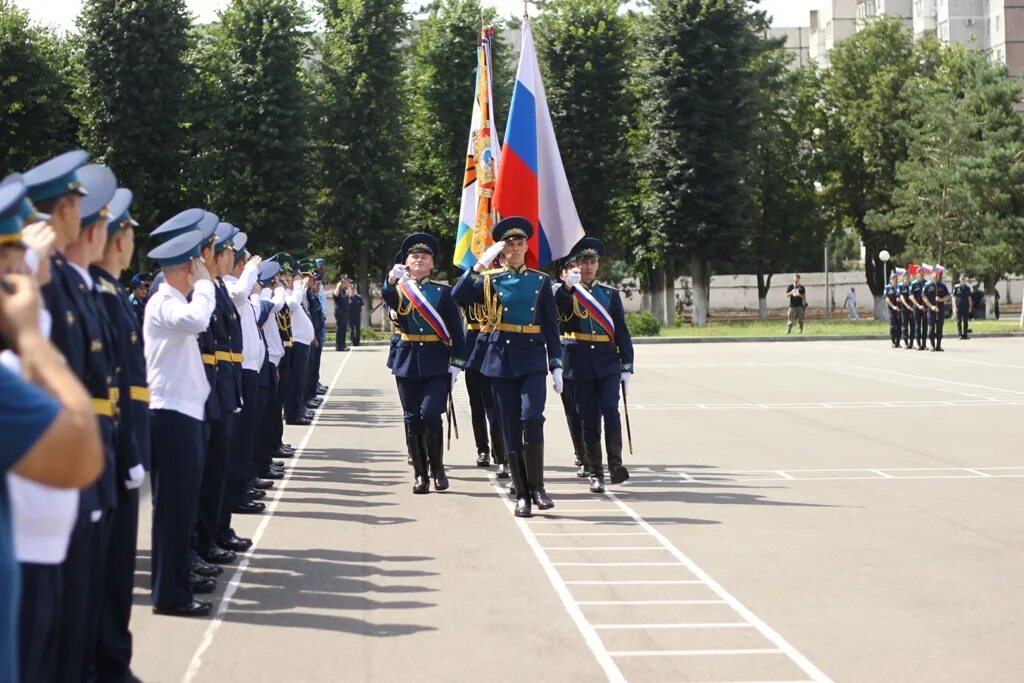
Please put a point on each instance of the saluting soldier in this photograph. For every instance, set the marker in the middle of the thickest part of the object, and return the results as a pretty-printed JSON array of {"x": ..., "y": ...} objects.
[
  {"x": 936, "y": 294},
  {"x": 270, "y": 299},
  {"x": 963, "y": 305},
  {"x": 522, "y": 347},
  {"x": 179, "y": 388},
  {"x": 892, "y": 300},
  {"x": 907, "y": 310},
  {"x": 572, "y": 416},
  {"x": 114, "y": 645},
  {"x": 598, "y": 357},
  {"x": 80, "y": 331},
  {"x": 430, "y": 354}
]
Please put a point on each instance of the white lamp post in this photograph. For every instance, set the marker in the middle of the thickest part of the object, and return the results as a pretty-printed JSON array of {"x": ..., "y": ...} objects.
[{"x": 884, "y": 256}]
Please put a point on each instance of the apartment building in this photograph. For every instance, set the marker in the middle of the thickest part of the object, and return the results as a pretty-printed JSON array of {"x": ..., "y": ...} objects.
[
  {"x": 797, "y": 45},
  {"x": 834, "y": 22},
  {"x": 868, "y": 9}
]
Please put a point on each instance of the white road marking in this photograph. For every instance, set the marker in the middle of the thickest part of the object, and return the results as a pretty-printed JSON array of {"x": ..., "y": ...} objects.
[
  {"x": 590, "y": 636},
  {"x": 574, "y": 607},
  {"x": 598, "y": 547},
  {"x": 694, "y": 625},
  {"x": 236, "y": 579},
  {"x": 670, "y": 475},
  {"x": 694, "y": 653}
]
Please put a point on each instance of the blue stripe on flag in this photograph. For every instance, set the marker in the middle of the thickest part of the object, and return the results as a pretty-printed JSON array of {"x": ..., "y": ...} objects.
[
  {"x": 521, "y": 132},
  {"x": 544, "y": 257}
]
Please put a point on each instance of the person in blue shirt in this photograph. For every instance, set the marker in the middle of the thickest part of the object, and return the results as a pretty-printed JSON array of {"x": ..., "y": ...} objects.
[
  {"x": 523, "y": 346},
  {"x": 963, "y": 306},
  {"x": 430, "y": 354},
  {"x": 140, "y": 292},
  {"x": 598, "y": 358},
  {"x": 917, "y": 299},
  {"x": 355, "y": 315},
  {"x": 892, "y": 300},
  {"x": 51, "y": 437}
]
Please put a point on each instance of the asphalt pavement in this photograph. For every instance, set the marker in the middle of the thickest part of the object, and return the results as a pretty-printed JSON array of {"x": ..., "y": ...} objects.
[{"x": 797, "y": 512}]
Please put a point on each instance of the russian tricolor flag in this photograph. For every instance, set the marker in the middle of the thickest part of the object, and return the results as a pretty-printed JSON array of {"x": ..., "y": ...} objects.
[{"x": 532, "y": 181}]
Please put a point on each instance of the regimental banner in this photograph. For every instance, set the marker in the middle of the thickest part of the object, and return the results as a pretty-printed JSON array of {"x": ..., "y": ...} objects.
[{"x": 476, "y": 215}]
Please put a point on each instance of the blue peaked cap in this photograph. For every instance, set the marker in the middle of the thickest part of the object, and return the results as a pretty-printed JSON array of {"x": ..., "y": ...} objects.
[
  {"x": 222, "y": 238},
  {"x": 183, "y": 222},
  {"x": 28, "y": 211},
  {"x": 11, "y": 196},
  {"x": 57, "y": 176},
  {"x": 118, "y": 210},
  {"x": 178, "y": 250}
]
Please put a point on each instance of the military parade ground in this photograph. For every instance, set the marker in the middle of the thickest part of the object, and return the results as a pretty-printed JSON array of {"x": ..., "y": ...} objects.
[{"x": 797, "y": 512}]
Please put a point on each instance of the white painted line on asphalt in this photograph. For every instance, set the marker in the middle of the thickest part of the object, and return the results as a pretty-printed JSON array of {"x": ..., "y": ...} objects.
[
  {"x": 695, "y": 625},
  {"x": 606, "y": 547},
  {"x": 554, "y": 520},
  {"x": 978, "y": 472},
  {"x": 795, "y": 475},
  {"x": 236, "y": 578},
  {"x": 784, "y": 475},
  {"x": 596, "y": 533},
  {"x": 882, "y": 474},
  {"x": 694, "y": 653},
  {"x": 633, "y": 583},
  {"x": 590, "y": 636},
  {"x": 615, "y": 564},
  {"x": 649, "y": 602},
  {"x": 770, "y": 634}
]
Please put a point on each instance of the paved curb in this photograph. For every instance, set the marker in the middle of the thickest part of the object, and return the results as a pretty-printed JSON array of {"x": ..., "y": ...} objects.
[{"x": 768, "y": 340}]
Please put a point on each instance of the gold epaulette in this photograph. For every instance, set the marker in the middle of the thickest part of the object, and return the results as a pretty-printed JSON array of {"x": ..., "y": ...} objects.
[{"x": 493, "y": 271}]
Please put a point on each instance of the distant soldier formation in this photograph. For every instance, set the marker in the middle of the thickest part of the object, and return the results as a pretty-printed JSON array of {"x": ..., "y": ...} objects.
[{"x": 916, "y": 298}]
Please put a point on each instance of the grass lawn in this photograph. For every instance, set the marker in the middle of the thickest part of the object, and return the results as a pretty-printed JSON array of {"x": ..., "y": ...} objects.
[{"x": 816, "y": 328}]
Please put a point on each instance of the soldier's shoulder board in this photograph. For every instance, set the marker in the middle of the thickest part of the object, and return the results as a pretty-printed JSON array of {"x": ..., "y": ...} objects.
[
  {"x": 494, "y": 271},
  {"x": 608, "y": 287},
  {"x": 107, "y": 287}
]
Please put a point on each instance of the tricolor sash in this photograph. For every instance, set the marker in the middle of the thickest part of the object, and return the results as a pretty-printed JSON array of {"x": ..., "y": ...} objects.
[
  {"x": 598, "y": 312},
  {"x": 426, "y": 310}
]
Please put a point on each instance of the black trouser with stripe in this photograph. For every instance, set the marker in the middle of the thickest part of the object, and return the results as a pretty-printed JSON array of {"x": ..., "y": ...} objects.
[{"x": 114, "y": 647}]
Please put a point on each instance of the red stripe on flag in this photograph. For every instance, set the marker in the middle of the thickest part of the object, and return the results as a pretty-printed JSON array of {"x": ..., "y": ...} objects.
[{"x": 516, "y": 195}]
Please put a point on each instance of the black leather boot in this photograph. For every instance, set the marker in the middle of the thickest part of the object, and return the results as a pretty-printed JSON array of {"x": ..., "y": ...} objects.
[
  {"x": 523, "y": 508},
  {"x": 535, "y": 475},
  {"x": 419, "y": 463},
  {"x": 595, "y": 466},
  {"x": 435, "y": 452},
  {"x": 580, "y": 453},
  {"x": 617, "y": 472}
]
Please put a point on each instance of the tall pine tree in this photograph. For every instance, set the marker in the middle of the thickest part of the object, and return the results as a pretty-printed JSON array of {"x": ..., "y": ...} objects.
[
  {"x": 36, "y": 119},
  {"x": 253, "y": 142},
  {"x": 700, "y": 109},
  {"x": 133, "y": 97},
  {"x": 583, "y": 47},
  {"x": 359, "y": 146}
]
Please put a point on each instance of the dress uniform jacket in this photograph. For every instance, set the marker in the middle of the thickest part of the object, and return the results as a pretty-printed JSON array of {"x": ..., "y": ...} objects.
[
  {"x": 418, "y": 351},
  {"x": 521, "y": 315},
  {"x": 589, "y": 352}
]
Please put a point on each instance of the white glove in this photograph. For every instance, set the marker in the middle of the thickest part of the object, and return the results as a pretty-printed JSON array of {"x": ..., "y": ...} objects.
[
  {"x": 573, "y": 278},
  {"x": 556, "y": 380},
  {"x": 492, "y": 253},
  {"x": 398, "y": 272},
  {"x": 625, "y": 377},
  {"x": 136, "y": 475},
  {"x": 454, "y": 372}
]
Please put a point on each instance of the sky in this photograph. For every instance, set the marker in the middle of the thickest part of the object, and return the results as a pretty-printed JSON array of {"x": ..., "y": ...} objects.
[{"x": 62, "y": 13}]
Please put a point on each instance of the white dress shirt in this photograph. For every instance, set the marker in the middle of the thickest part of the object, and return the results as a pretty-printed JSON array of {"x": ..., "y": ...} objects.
[
  {"x": 302, "y": 326},
  {"x": 275, "y": 347},
  {"x": 253, "y": 351},
  {"x": 174, "y": 368},
  {"x": 42, "y": 517}
]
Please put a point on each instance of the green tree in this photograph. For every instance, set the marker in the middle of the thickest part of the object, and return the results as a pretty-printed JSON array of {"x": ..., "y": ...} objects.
[
  {"x": 441, "y": 80},
  {"x": 252, "y": 142},
  {"x": 132, "y": 98},
  {"x": 701, "y": 108},
  {"x": 358, "y": 143},
  {"x": 583, "y": 47},
  {"x": 961, "y": 189},
  {"x": 36, "y": 118},
  {"x": 865, "y": 137},
  {"x": 786, "y": 227}
]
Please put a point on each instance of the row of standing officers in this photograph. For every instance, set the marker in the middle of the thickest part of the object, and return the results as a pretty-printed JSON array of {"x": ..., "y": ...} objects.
[
  {"x": 916, "y": 298},
  {"x": 188, "y": 386}
]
